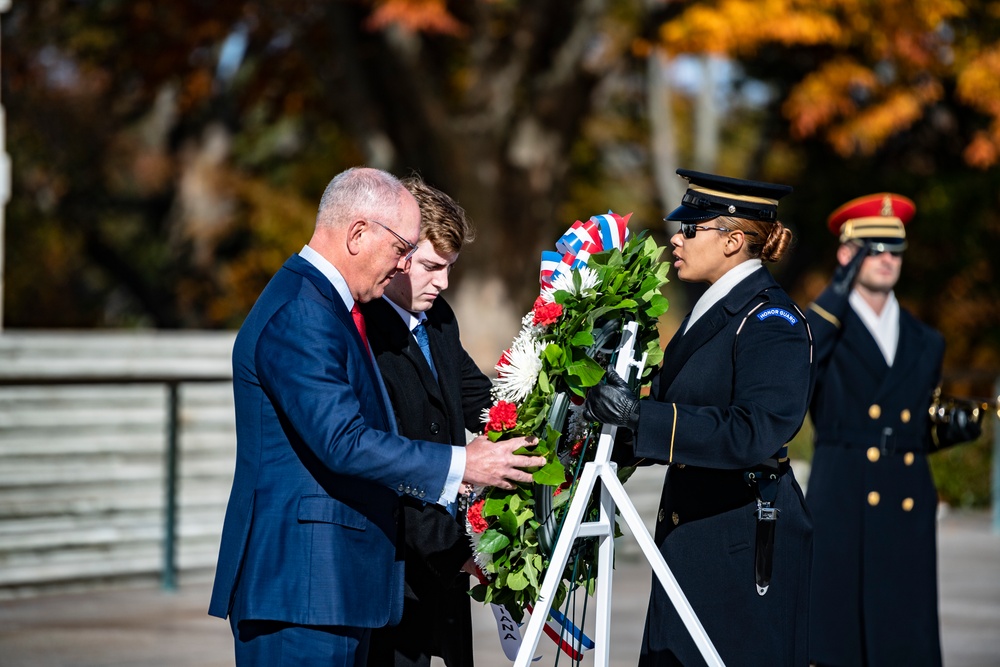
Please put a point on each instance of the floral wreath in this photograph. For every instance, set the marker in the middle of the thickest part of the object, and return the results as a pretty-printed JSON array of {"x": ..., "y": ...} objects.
[{"x": 598, "y": 279}]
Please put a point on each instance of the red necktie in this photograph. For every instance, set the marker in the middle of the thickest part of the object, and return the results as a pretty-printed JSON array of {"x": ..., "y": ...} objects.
[{"x": 359, "y": 322}]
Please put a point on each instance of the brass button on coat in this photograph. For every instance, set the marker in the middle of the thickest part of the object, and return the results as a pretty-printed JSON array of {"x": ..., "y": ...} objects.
[
  {"x": 873, "y": 498},
  {"x": 676, "y": 519},
  {"x": 660, "y": 515},
  {"x": 908, "y": 458},
  {"x": 907, "y": 504},
  {"x": 875, "y": 411},
  {"x": 905, "y": 416},
  {"x": 873, "y": 454}
]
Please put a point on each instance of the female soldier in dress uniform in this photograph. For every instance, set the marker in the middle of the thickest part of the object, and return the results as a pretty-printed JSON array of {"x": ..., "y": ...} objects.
[{"x": 731, "y": 392}]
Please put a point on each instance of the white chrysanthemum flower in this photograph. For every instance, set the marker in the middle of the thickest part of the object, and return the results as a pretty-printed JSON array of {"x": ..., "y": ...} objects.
[
  {"x": 564, "y": 282},
  {"x": 518, "y": 376}
]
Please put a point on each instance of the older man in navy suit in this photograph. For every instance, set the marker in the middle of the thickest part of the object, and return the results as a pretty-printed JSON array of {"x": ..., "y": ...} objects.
[{"x": 308, "y": 562}]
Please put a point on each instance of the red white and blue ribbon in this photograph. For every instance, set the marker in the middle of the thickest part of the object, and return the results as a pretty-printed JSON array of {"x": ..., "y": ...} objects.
[
  {"x": 569, "y": 638},
  {"x": 581, "y": 240}
]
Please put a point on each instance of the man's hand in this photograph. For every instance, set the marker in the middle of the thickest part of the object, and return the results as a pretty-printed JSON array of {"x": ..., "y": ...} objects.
[
  {"x": 612, "y": 403},
  {"x": 843, "y": 277},
  {"x": 495, "y": 464},
  {"x": 959, "y": 428}
]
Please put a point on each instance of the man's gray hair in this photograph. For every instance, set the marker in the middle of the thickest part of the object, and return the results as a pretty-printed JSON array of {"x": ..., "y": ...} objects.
[{"x": 360, "y": 193}]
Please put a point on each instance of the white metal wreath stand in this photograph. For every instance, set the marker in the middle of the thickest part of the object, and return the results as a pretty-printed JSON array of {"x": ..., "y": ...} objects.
[{"x": 603, "y": 472}]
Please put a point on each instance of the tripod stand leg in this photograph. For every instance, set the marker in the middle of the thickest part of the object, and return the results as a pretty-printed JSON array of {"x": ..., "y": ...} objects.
[
  {"x": 655, "y": 559},
  {"x": 557, "y": 564}
]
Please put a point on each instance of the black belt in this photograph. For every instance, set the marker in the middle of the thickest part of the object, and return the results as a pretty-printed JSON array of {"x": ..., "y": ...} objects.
[{"x": 887, "y": 440}]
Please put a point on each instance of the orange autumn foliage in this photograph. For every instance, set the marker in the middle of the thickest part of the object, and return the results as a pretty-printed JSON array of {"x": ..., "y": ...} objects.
[
  {"x": 429, "y": 16},
  {"x": 882, "y": 63}
]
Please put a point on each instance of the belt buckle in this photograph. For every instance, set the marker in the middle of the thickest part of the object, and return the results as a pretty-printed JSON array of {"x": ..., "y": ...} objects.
[
  {"x": 765, "y": 512},
  {"x": 886, "y": 439}
]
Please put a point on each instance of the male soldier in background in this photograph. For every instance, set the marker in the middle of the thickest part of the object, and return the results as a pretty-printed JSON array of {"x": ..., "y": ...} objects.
[
  {"x": 437, "y": 392},
  {"x": 870, "y": 492}
]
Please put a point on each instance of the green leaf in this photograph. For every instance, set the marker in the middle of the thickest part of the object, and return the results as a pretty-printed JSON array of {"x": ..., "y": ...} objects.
[
  {"x": 508, "y": 521},
  {"x": 543, "y": 382},
  {"x": 657, "y": 306},
  {"x": 552, "y": 474},
  {"x": 494, "y": 506},
  {"x": 516, "y": 581},
  {"x": 493, "y": 541},
  {"x": 582, "y": 339},
  {"x": 585, "y": 371},
  {"x": 553, "y": 354}
]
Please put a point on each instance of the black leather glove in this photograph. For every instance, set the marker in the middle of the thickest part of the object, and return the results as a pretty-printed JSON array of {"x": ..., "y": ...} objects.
[
  {"x": 843, "y": 277},
  {"x": 959, "y": 428},
  {"x": 612, "y": 403}
]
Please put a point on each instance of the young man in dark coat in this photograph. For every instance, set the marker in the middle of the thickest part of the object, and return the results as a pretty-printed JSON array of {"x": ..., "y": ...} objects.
[
  {"x": 871, "y": 495},
  {"x": 438, "y": 393}
]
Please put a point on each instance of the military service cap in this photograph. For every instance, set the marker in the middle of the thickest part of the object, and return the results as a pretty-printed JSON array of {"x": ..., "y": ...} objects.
[
  {"x": 709, "y": 196},
  {"x": 878, "y": 219}
]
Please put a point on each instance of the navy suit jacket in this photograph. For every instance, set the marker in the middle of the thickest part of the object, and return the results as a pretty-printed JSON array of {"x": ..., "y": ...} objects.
[{"x": 312, "y": 524}]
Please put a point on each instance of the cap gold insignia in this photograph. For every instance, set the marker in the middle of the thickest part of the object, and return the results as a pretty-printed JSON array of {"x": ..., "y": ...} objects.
[{"x": 887, "y": 206}]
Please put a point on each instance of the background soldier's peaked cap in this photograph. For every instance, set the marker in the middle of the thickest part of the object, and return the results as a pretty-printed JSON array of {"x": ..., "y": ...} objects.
[
  {"x": 881, "y": 204},
  {"x": 709, "y": 196},
  {"x": 878, "y": 218}
]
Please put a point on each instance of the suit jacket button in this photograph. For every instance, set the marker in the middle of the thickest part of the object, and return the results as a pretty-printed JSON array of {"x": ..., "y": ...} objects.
[
  {"x": 875, "y": 411},
  {"x": 873, "y": 498},
  {"x": 435, "y": 428},
  {"x": 401, "y": 488},
  {"x": 423, "y": 493},
  {"x": 905, "y": 416},
  {"x": 408, "y": 489},
  {"x": 908, "y": 458},
  {"x": 907, "y": 504},
  {"x": 873, "y": 454}
]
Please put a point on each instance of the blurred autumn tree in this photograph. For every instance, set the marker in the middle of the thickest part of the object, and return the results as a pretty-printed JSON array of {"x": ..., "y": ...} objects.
[
  {"x": 872, "y": 95},
  {"x": 169, "y": 156}
]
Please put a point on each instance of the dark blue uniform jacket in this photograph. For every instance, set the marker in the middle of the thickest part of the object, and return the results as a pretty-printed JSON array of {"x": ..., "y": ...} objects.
[
  {"x": 731, "y": 392},
  {"x": 872, "y": 498}
]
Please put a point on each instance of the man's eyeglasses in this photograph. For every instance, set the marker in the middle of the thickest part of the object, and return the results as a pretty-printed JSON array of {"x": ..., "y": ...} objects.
[
  {"x": 689, "y": 229},
  {"x": 412, "y": 247}
]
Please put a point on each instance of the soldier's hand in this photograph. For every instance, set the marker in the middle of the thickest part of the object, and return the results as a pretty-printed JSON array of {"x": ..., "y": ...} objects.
[
  {"x": 495, "y": 463},
  {"x": 844, "y": 276},
  {"x": 612, "y": 403},
  {"x": 958, "y": 429}
]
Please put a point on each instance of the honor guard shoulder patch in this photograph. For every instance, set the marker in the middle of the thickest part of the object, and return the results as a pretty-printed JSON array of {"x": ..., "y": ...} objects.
[{"x": 779, "y": 312}]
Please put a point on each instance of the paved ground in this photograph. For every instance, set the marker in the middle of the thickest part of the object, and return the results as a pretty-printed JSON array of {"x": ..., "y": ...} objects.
[{"x": 150, "y": 628}]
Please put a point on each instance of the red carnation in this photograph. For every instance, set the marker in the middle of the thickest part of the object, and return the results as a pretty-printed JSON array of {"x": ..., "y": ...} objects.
[
  {"x": 475, "y": 516},
  {"x": 576, "y": 449},
  {"x": 546, "y": 313},
  {"x": 503, "y": 417},
  {"x": 503, "y": 361}
]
